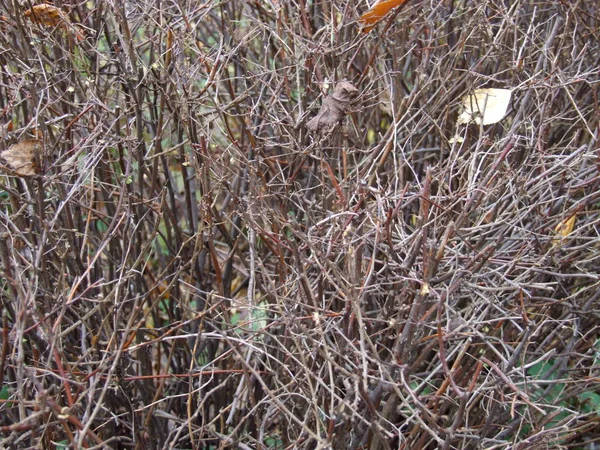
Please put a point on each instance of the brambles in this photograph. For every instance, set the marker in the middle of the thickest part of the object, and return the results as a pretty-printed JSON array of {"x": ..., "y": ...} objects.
[{"x": 193, "y": 269}]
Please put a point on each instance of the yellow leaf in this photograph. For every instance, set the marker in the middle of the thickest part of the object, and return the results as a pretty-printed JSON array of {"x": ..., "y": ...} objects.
[
  {"x": 378, "y": 12},
  {"x": 21, "y": 157},
  {"x": 563, "y": 229},
  {"x": 485, "y": 106},
  {"x": 371, "y": 136}
]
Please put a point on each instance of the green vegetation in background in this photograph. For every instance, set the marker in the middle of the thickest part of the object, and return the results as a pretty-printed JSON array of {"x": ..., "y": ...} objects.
[{"x": 585, "y": 403}]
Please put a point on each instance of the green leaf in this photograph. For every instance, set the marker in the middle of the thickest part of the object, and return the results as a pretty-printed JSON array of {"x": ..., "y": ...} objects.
[
  {"x": 590, "y": 402},
  {"x": 538, "y": 369},
  {"x": 4, "y": 393}
]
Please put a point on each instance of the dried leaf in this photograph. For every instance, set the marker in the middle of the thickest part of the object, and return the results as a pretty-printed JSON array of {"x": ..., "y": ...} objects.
[
  {"x": 385, "y": 103},
  {"x": 378, "y": 12},
  {"x": 563, "y": 229},
  {"x": 21, "y": 157},
  {"x": 485, "y": 106},
  {"x": 3, "y": 23},
  {"x": 48, "y": 15},
  {"x": 5, "y": 129},
  {"x": 334, "y": 107}
]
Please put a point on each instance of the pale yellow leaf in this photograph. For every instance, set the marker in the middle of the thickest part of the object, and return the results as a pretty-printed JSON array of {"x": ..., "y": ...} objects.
[
  {"x": 456, "y": 139},
  {"x": 485, "y": 106}
]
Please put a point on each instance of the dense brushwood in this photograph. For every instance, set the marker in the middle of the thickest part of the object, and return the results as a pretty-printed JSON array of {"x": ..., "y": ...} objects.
[{"x": 246, "y": 224}]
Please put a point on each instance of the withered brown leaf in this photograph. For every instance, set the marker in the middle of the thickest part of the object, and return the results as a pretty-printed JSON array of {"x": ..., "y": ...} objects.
[
  {"x": 334, "y": 108},
  {"x": 51, "y": 16},
  {"x": 21, "y": 157},
  {"x": 48, "y": 15}
]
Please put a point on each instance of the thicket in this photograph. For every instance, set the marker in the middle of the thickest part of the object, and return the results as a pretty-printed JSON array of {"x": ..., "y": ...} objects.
[{"x": 186, "y": 265}]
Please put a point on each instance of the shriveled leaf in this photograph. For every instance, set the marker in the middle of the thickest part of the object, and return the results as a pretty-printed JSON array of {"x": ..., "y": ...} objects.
[
  {"x": 3, "y": 22},
  {"x": 385, "y": 103},
  {"x": 485, "y": 106},
  {"x": 5, "y": 129},
  {"x": 563, "y": 229},
  {"x": 21, "y": 157},
  {"x": 51, "y": 16},
  {"x": 378, "y": 12},
  {"x": 48, "y": 15},
  {"x": 334, "y": 108}
]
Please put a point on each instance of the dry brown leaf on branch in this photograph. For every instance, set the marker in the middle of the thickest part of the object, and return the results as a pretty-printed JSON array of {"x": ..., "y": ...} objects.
[
  {"x": 51, "y": 16},
  {"x": 334, "y": 108},
  {"x": 377, "y": 12},
  {"x": 48, "y": 15},
  {"x": 21, "y": 157},
  {"x": 5, "y": 129},
  {"x": 3, "y": 22}
]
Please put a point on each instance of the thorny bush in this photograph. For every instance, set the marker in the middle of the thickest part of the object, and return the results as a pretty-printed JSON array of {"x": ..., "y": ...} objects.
[{"x": 187, "y": 265}]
